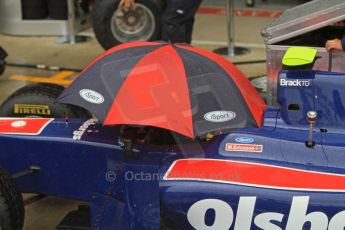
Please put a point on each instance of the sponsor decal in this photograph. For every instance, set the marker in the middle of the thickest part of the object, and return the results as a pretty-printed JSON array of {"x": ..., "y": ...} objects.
[
  {"x": 244, "y": 140},
  {"x": 91, "y": 96},
  {"x": 77, "y": 135},
  {"x": 295, "y": 83},
  {"x": 244, "y": 148},
  {"x": 18, "y": 124},
  {"x": 32, "y": 109},
  {"x": 245, "y": 218},
  {"x": 23, "y": 126},
  {"x": 219, "y": 116}
]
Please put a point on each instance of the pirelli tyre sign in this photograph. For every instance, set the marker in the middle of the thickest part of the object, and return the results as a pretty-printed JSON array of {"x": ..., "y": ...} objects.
[{"x": 29, "y": 109}]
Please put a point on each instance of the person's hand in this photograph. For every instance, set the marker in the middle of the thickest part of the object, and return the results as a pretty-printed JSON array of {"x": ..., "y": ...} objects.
[
  {"x": 126, "y": 3},
  {"x": 334, "y": 44}
]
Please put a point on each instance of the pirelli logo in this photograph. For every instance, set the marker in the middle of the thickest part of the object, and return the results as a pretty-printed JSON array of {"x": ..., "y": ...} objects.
[
  {"x": 244, "y": 147},
  {"x": 32, "y": 109}
]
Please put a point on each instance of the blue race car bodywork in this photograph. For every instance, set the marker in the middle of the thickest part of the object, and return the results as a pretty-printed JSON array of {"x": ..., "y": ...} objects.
[{"x": 257, "y": 178}]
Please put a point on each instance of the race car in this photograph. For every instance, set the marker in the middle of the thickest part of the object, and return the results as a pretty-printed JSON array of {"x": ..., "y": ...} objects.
[{"x": 289, "y": 173}]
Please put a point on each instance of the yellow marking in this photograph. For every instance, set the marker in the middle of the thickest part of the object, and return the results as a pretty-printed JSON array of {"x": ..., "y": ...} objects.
[
  {"x": 62, "y": 75},
  {"x": 59, "y": 78}
]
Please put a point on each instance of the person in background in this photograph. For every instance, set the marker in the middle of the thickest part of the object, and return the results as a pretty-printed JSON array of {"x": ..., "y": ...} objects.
[
  {"x": 177, "y": 19},
  {"x": 337, "y": 44}
]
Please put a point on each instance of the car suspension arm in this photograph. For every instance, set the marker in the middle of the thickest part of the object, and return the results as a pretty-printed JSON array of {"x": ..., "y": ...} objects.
[{"x": 30, "y": 170}]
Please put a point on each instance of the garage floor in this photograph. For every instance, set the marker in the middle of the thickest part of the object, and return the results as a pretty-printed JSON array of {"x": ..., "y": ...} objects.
[{"x": 210, "y": 33}]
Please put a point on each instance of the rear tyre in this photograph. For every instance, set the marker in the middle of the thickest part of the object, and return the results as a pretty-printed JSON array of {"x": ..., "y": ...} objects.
[
  {"x": 38, "y": 100},
  {"x": 113, "y": 26},
  {"x": 11, "y": 203}
]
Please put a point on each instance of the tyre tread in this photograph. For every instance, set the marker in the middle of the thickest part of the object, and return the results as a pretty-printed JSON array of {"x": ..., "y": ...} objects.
[{"x": 12, "y": 200}]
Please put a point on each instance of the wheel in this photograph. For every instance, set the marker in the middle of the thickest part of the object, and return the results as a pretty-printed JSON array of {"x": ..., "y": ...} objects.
[
  {"x": 250, "y": 3},
  {"x": 39, "y": 100},
  {"x": 113, "y": 26},
  {"x": 11, "y": 203}
]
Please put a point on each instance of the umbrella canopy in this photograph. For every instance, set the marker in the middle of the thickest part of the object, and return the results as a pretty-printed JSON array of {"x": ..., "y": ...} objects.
[{"x": 171, "y": 86}]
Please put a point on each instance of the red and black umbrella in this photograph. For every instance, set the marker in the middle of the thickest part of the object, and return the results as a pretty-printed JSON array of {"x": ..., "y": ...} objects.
[{"x": 171, "y": 86}]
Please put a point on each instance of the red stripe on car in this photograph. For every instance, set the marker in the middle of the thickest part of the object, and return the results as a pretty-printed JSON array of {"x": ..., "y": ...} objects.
[
  {"x": 255, "y": 174},
  {"x": 23, "y": 126}
]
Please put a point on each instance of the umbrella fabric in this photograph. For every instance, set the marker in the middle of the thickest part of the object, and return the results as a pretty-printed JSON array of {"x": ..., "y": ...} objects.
[{"x": 171, "y": 86}]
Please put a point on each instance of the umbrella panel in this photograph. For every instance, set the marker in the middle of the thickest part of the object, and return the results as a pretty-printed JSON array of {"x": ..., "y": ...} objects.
[
  {"x": 217, "y": 102},
  {"x": 155, "y": 94},
  {"x": 211, "y": 94}
]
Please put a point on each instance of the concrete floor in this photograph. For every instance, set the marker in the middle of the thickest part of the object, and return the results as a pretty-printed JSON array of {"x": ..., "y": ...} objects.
[{"x": 210, "y": 33}]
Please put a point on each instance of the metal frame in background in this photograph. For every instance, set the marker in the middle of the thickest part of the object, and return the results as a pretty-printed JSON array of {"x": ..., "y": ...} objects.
[{"x": 231, "y": 50}]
